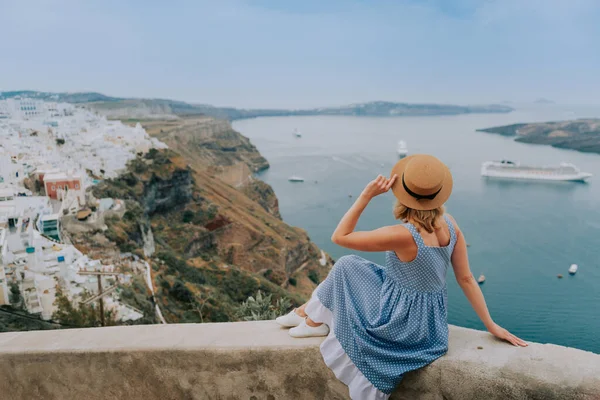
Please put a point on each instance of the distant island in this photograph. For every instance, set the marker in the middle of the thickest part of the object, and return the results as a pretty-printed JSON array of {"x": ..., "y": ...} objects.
[
  {"x": 116, "y": 107},
  {"x": 581, "y": 135}
]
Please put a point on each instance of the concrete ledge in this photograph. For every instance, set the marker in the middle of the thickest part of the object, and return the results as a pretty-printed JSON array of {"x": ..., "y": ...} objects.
[{"x": 258, "y": 360}]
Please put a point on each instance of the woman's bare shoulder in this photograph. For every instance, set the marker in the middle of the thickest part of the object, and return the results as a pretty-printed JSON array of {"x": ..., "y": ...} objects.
[
  {"x": 400, "y": 231},
  {"x": 453, "y": 222}
]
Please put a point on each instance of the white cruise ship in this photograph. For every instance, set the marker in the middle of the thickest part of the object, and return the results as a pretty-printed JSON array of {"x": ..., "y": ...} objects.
[{"x": 511, "y": 170}]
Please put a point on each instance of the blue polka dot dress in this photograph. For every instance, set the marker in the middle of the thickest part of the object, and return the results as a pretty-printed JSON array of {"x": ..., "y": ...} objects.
[{"x": 384, "y": 320}]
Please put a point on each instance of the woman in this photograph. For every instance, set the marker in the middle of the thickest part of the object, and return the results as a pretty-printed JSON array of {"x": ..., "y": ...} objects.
[{"x": 383, "y": 321}]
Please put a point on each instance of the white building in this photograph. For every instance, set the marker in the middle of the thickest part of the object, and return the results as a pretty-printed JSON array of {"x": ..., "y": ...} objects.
[
  {"x": 55, "y": 145},
  {"x": 11, "y": 172},
  {"x": 5, "y": 112},
  {"x": 57, "y": 135},
  {"x": 25, "y": 108},
  {"x": 58, "y": 184}
]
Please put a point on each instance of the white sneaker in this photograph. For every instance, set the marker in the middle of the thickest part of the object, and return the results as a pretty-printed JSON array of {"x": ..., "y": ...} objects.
[
  {"x": 290, "y": 320},
  {"x": 303, "y": 330}
]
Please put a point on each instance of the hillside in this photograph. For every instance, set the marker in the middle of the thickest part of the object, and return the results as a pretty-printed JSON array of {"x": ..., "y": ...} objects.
[
  {"x": 132, "y": 108},
  {"x": 581, "y": 135},
  {"x": 124, "y": 108},
  {"x": 213, "y": 146},
  {"x": 206, "y": 142},
  {"x": 215, "y": 244},
  {"x": 12, "y": 320}
]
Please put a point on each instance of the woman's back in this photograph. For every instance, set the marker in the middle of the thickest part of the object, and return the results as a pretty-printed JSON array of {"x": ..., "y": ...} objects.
[{"x": 426, "y": 270}]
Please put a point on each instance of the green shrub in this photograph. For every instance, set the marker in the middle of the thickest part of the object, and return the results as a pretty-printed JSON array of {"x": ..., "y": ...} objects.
[
  {"x": 15, "y": 295},
  {"x": 188, "y": 216},
  {"x": 152, "y": 153},
  {"x": 174, "y": 263},
  {"x": 181, "y": 293},
  {"x": 260, "y": 307},
  {"x": 277, "y": 277},
  {"x": 165, "y": 284},
  {"x": 293, "y": 281},
  {"x": 129, "y": 179},
  {"x": 138, "y": 165},
  {"x": 314, "y": 276},
  {"x": 212, "y": 212},
  {"x": 127, "y": 293}
]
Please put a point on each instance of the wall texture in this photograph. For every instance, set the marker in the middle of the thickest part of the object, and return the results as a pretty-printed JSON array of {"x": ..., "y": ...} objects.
[{"x": 258, "y": 360}]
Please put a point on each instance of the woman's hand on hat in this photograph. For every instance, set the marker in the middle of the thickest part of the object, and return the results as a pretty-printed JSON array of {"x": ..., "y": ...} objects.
[
  {"x": 378, "y": 186},
  {"x": 503, "y": 334}
]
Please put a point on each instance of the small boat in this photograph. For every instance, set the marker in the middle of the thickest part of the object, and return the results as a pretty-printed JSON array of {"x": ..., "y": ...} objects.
[
  {"x": 297, "y": 133},
  {"x": 559, "y": 276},
  {"x": 295, "y": 178},
  {"x": 573, "y": 269},
  {"x": 481, "y": 279},
  {"x": 402, "y": 149}
]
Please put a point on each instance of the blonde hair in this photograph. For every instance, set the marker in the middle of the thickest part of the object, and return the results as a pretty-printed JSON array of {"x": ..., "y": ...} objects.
[{"x": 426, "y": 219}]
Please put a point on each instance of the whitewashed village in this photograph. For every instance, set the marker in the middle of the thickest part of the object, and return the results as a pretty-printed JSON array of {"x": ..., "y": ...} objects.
[{"x": 61, "y": 150}]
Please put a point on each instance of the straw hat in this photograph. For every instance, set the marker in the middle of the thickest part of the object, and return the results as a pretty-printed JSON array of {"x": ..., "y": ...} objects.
[{"x": 423, "y": 183}]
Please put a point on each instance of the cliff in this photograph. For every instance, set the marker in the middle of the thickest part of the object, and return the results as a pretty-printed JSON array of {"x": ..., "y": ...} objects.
[
  {"x": 581, "y": 135},
  {"x": 215, "y": 244},
  {"x": 214, "y": 147},
  {"x": 206, "y": 143},
  {"x": 264, "y": 195}
]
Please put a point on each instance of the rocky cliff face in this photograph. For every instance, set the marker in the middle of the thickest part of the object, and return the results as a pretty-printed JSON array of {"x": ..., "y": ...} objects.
[
  {"x": 207, "y": 143},
  {"x": 159, "y": 182},
  {"x": 162, "y": 195},
  {"x": 213, "y": 146},
  {"x": 264, "y": 195},
  {"x": 215, "y": 242}
]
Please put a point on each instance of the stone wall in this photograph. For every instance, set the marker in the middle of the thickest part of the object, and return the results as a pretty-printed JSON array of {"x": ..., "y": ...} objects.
[{"x": 258, "y": 360}]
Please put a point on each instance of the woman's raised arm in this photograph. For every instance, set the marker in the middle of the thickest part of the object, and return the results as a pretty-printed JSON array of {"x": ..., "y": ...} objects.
[{"x": 381, "y": 239}]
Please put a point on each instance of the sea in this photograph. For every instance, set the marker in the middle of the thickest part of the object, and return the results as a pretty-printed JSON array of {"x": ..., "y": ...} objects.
[{"x": 521, "y": 235}]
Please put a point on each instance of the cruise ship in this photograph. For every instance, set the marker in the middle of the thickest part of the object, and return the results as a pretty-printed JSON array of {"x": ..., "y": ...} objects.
[{"x": 512, "y": 170}]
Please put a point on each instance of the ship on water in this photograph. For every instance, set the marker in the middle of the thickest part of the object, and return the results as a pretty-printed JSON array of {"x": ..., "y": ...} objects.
[
  {"x": 513, "y": 170},
  {"x": 402, "y": 149}
]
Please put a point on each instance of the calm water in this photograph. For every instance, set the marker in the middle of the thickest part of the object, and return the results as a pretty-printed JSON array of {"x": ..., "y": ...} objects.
[{"x": 521, "y": 234}]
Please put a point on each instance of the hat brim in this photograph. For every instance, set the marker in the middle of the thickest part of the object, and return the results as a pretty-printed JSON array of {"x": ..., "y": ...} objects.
[{"x": 423, "y": 204}]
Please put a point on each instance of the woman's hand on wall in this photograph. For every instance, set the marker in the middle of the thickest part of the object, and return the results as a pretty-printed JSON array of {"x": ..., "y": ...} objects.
[{"x": 503, "y": 334}]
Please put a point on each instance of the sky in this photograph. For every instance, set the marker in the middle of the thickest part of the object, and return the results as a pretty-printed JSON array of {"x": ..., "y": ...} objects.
[{"x": 305, "y": 53}]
